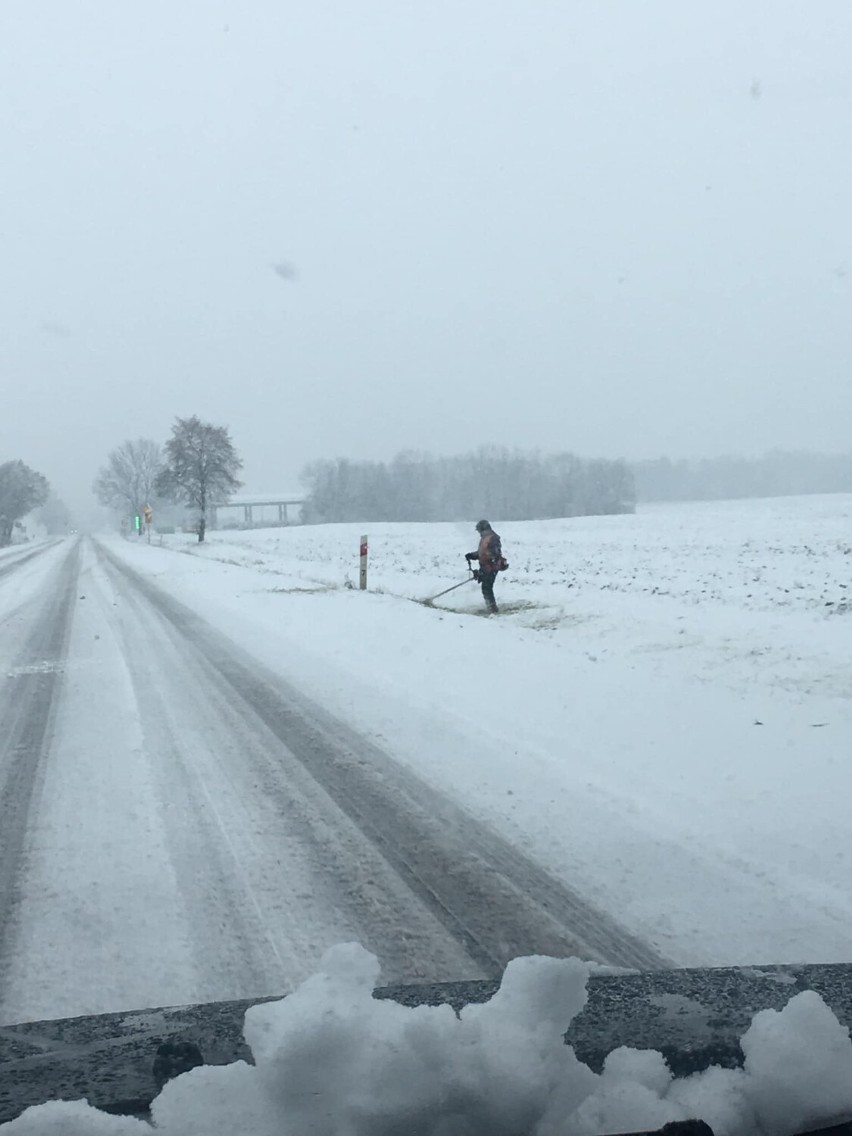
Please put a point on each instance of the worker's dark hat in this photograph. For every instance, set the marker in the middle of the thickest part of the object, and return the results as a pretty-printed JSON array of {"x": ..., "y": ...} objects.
[{"x": 482, "y": 526}]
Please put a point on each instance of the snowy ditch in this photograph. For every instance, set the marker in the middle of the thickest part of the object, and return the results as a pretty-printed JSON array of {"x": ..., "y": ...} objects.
[{"x": 332, "y": 1058}]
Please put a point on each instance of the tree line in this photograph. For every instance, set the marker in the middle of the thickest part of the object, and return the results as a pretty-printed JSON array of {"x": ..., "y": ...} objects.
[
  {"x": 492, "y": 481},
  {"x": 779, "y": 473},
  {"x": 198, "y": 466}
]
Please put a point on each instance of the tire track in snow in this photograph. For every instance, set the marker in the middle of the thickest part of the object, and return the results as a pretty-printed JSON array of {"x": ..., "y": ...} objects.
[
  {"x": 267, "y": 867},
  {"x": 27, "y": 704},
  {"x": 492, "y": 898},
  {"x": 9, "y": 564},
  {"x": 11, "y": 579}
]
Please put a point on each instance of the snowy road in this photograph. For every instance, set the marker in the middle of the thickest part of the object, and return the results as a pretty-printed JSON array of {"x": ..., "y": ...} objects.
[
  {"x": 14, "y": 558},
  {"x": 37, "y": 634},
  {"x": 178, "y": 823}
]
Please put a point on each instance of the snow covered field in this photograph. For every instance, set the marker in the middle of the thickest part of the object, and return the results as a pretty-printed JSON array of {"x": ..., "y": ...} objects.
[
  {"x": 661, "y": 714},
  {"x": 660, "y": 718}
]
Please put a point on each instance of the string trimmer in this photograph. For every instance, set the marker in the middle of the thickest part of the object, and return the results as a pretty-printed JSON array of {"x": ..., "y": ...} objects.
[{"x": 432, "y": 599}]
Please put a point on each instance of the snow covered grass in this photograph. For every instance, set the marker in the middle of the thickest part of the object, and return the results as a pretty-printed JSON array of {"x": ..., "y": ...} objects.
[
  {"x": 745, "y": 583},
  {"x": 661, "y": 716},
  {"x": 775, "y": 554},
  {"x": 329, "y": 1058}
]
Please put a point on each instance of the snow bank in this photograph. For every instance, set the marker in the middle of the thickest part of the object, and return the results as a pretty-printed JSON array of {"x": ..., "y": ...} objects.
[{"x": 331, "y": 1059}]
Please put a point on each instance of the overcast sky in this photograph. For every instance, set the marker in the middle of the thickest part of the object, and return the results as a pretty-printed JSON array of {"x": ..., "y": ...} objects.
[{"x": 351, "y": 227}]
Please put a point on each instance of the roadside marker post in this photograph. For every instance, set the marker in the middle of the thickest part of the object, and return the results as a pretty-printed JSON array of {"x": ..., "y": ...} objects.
[
  {"x": 148, "y": 514},
  {"x": 363, "y": 580}
]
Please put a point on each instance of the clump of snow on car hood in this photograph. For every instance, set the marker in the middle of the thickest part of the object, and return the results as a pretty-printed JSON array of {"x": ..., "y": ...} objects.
[
  {"x": 330, "y": 1058},
  {"x": 798, "y": 1063}
]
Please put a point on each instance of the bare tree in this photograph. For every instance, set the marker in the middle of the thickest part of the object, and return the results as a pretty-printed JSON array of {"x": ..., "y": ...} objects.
[
  {"x": 21, "y": 491},
  {"x": 201, "y": 467},
  {"x": 127, "y": 480}
]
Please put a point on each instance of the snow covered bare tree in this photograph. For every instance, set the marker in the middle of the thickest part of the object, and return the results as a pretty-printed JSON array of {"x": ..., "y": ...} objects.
[
  {"x": 201, "y": 467},
  {"x": 126, "y": 482},
  {"x": 21, "y": 491}
]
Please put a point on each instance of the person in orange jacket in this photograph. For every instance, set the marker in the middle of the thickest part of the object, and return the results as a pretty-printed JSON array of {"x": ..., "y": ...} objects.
[{"x": 490, "y": 557}]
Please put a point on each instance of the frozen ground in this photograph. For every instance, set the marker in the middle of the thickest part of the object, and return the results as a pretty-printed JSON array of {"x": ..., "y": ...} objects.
[
  {"x": 643, "y": 759},
  {"x": 661, "y": 715}
]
